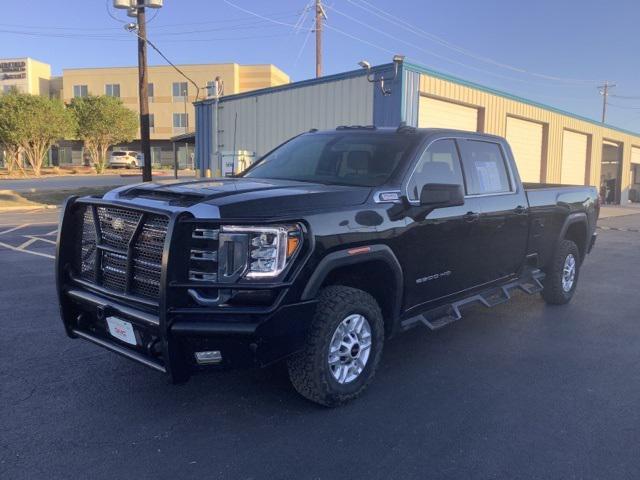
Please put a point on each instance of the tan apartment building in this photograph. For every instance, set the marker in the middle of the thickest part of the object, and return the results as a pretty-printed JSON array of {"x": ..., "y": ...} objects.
[{"x": 170, "y": 98}]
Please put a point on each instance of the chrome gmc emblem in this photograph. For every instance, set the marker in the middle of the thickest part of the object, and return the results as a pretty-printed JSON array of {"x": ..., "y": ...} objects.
[{"x": 117, "y": 224}]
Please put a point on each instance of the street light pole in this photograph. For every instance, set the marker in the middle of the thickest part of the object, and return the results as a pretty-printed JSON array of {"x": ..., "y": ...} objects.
[
  {"x": 185, "y": 95},
  {"x": 143, "y": 84}
]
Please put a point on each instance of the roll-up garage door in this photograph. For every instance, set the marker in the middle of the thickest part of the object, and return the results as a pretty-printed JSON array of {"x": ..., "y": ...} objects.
[
  {"x": 635, "y": 155},
  {"x": 434, "y": 113},
  {"x": 574, "y": 158},
  {"x": 525, "y": 139}
]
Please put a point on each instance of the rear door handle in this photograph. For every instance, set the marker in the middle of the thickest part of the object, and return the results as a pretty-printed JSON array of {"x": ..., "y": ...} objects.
[
  {"x": 520, "y": 210},
  {"x": 471, "y": 217}
]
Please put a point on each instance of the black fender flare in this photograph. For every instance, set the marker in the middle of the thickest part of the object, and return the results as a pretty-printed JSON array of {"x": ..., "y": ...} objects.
[
  {"x": 353, "y": 256},
  {"x": 573, "y": 218}
]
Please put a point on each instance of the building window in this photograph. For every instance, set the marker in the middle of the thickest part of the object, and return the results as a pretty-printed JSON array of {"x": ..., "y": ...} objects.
[
  {"x": 180, "y": 90},
  {"x": 9, "y": 88},
  {"x": 152, "y": 122},
  {"x": 180, "y": 122},
  {"x": 112, "y": 90},
  {"x": 80, "y": 91},
  {"x": 150, "y": 91}
]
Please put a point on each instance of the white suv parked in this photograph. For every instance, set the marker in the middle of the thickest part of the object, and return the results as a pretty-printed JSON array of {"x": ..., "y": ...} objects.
[{"x": 125, "y": 158}]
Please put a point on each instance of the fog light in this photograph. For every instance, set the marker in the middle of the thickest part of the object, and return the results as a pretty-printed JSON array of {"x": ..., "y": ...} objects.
[{"x": 208, "y": 358}]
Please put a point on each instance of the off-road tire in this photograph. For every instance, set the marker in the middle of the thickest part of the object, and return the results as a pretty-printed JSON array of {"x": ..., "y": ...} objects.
[
  {"x": 553, "y": 292},
  {"x": 309, "y": 370}
]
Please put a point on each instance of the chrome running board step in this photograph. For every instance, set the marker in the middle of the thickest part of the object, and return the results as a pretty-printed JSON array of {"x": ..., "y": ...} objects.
[{"x": 530, "y": 283}]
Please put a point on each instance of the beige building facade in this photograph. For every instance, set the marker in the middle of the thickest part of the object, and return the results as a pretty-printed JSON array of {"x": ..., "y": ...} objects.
[
  {"x": 170, "y": 97},
  {"x": 170, "y": 94}
]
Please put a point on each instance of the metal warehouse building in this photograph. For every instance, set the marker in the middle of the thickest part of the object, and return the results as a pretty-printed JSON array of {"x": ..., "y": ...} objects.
[{"x": 550, "y": 145}]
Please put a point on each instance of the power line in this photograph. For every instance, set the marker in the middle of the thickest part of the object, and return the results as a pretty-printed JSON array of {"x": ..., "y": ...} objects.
[
  {"x": 152, "y": 45},
  {"x": 626, "y": 107},
  {"x": 432, "y": 53},
  {"x": 106, "y": 38},
  {"x": 625, "y": 97},
  {"x": 380, "y": 13}
]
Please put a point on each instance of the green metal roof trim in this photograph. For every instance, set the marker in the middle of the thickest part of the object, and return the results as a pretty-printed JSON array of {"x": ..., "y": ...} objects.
[
  {"x": 302, "y": 83},
  {"x": 420, "y": 69}
]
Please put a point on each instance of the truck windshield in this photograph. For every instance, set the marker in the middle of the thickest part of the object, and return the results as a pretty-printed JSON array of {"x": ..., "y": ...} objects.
[{"x": 341, "y": 158}]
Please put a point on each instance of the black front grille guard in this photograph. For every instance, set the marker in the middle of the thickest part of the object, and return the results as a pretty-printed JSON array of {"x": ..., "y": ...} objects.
[{"x": 172, "y": 288}]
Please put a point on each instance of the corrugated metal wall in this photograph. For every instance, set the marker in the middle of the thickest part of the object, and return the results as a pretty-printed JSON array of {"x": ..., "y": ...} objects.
[
  {"x": 268, "y": 119},
  {"x": 497, "y": 106}
]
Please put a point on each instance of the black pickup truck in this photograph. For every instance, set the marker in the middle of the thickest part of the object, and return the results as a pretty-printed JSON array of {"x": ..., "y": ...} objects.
[{"x": 326, "y": 247}]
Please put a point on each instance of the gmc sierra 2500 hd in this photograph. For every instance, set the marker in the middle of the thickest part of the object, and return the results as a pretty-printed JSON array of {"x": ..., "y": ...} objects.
[{"x": 319, "y": 252}]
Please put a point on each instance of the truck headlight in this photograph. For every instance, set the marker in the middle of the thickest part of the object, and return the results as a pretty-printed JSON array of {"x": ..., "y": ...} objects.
[{"x": 270, "y": 247}]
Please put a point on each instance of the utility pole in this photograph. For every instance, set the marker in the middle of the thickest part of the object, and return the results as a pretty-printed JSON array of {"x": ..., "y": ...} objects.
[
  {"x": 605, "y": 95},
  {"x": 143, "y": 83},
  {"x": 320, "y": 16},
  {"x": 185, "y": 97}
]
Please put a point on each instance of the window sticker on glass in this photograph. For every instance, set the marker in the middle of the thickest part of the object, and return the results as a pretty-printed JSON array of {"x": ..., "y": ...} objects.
[{"x": 488, "y": 175}]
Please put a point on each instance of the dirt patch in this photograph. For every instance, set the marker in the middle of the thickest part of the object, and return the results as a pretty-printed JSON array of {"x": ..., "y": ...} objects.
[{"x": 11, "y": 199}]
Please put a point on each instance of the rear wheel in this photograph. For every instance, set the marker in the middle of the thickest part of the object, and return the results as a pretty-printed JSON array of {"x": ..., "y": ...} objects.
[
  {"x": 562, "y": 275},
  {"x": 343, "y": 347}
]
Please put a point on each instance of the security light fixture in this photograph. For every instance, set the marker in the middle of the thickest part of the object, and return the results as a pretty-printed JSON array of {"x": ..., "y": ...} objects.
[{"x": 397, "y": 61}]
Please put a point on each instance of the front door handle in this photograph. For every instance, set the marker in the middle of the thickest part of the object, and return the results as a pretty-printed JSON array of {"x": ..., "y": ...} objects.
[
  {"x": 471, "y": 217},
  {"x": 520, "y": 210}
]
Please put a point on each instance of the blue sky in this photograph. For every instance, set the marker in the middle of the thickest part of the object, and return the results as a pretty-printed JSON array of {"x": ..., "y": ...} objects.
[{"x": 552, "y": 51}]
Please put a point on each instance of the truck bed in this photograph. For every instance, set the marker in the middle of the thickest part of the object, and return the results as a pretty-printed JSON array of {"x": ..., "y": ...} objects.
[{"x": 549, "y": 206}]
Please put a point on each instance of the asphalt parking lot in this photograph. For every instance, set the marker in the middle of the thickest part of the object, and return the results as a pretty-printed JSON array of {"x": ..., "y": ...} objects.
[{"x": 520, "y": 391}]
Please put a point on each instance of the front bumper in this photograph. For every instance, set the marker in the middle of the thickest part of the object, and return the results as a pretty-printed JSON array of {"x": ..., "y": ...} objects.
[
  {"x": 168, "y": 334},
  {"x": 242, "y": 340}
]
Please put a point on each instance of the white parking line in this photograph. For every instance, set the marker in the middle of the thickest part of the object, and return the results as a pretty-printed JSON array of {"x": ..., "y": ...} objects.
[
  {"x": 46, "y": 240},
  {"x": 16, "y": 249},
  {"x": 14, "y": 228},
  {"x": 52, "y": 232},
  {"x": 24, "y": 245}
]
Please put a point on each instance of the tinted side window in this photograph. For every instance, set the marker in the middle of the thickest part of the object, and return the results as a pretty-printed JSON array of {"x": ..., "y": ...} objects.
[
  {"x": 438, "y": 164},
  {"x": 484, "y": 167}
]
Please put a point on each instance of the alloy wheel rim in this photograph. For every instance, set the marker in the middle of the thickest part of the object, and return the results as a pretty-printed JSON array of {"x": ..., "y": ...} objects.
[
  {"x": 568, "y": 273},
  {"x": 350, "y": 348}
]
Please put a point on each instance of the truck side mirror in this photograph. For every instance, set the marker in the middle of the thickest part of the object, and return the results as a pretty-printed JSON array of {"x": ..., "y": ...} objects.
[{"x": 440, "y": 195}]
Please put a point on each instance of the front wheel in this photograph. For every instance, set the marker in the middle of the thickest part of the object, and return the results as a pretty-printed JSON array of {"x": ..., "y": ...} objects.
[
  {"x": 343, "y": 347},
  {"x": 562, "y": 275}
]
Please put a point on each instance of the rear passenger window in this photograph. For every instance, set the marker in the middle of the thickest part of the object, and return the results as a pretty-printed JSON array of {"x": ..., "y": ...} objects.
[
  {"x": 484, "y": 168},
  {"x": 438, "y": 164}
]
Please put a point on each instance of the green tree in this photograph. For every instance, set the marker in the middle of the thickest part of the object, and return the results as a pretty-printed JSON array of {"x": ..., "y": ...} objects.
[
  {"x": 36, "y": 123},
  {"x": 102, "y": 122},
  {"x": 10, "y": 140}
]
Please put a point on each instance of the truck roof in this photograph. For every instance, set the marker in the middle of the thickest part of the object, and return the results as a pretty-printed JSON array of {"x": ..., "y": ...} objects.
[{"x": 404, "y": 129}]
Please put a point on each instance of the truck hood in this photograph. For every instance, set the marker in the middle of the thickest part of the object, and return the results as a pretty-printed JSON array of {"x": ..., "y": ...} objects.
[{"x": 242, "y": 197}]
